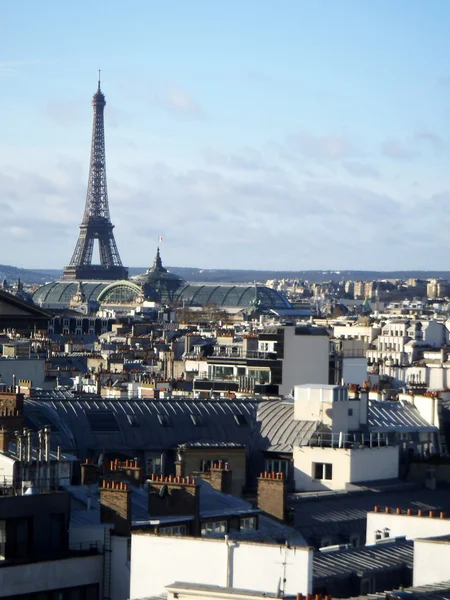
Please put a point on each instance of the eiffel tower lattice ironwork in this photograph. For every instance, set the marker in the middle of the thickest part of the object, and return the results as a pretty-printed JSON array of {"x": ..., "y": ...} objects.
[{"x": 96, "y": 223}]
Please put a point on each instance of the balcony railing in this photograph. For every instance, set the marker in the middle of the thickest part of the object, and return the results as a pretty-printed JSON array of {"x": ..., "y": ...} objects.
[
  {"x": 348, "y": 440},
  {"x": 239, "y": 353}
]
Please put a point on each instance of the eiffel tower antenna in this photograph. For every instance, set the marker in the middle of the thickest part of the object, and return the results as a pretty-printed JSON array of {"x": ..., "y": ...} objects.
[{"x": 96, "y": 223}]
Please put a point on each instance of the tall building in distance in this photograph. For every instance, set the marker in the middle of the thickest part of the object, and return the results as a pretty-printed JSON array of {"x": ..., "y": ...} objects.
[{"x": 96, "y": 223}]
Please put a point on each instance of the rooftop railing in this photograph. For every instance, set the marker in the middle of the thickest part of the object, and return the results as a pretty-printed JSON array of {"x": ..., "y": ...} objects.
[
  {"x": 348, "y": 440},
  {"x": 239, "y": 353}
]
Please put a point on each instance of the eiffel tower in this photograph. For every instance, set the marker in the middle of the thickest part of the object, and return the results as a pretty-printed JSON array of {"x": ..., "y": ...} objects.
[{"x": 96, "y": 223}]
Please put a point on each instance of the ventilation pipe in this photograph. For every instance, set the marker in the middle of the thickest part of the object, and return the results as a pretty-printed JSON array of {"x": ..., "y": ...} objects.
[
  {"x": 47, "y": 432},
  {"x": 28, "y": 444}
]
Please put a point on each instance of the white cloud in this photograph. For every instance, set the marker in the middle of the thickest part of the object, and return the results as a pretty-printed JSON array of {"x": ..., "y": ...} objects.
[
  {"x": 176, "y": 101},
  {"x": 392, "y": 148},
  {"x": 358, "y": 169},
  {"x": 322, "y": 147}
]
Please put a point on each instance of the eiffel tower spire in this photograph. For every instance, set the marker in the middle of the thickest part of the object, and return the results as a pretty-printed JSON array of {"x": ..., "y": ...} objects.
[{"x": 96, "y": 223}]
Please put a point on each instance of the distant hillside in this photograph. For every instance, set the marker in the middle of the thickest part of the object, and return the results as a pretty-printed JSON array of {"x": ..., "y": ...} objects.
[
  {"x": 40, "y": 276},
  {"x": 12, "y": 274}
]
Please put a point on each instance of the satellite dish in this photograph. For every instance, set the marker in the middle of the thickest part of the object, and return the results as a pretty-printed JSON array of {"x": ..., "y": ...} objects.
[{"x": 163, "y": 491}]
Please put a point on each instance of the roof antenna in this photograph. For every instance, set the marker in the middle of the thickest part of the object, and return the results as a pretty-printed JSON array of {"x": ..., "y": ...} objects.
[{"x": 99, "y": 71}]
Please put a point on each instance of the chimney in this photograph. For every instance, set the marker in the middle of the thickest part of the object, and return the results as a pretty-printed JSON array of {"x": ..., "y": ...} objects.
[
  {"x": 41, "y": 445},
  {"x": 4, "y": 440},
  {"x": 90, "y": 473},
  {"x": 29, "y": 445},
  {"x": 47, "y": 433},
  {"x": 179, "y": 466},
  {"x": 272, "y": 494},
  {"x": 133, "y": 471},
  {"x": 174, "y": 496},
  {"x": 221, "y": 477},
  {"x": 115, "y": 506}
]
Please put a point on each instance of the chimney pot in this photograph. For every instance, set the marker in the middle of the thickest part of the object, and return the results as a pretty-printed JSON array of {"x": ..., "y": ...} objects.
[
  {"x": 387, "y": 510},
  {"x": 376, "y": 509},
  {"x": 409, "y": 512},
  {"x": 398, "y": 511},
  {"x": 318, "y": 596},
  {"x": 431, "y": 513},
  {"x": 442, "y": 515},
  {"x": 420, "y": 513},
  {"x": 299, "y": 596}
]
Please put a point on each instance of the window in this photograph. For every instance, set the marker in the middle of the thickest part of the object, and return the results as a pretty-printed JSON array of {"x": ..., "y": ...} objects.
[
  {"x": 367, "y": 586},
  {"x": 132, "y": 420},
  {"x": 248, "y": 524},
  {"x": 18, "y": 538},
  {"x": 2, "y": 540},
  {"x": 240, "y": 420},
  {"x": 57, "y": 532},
  {"x": 323, "y": 471},
  {"x": 173, "y": 530},
  {"x": 214, "y": 527},
  {"x": 378, "y": 535},
  {"x": 164, "y": 420},
  {"x": 197, "y": 420},
  {"x": 386, "y": 532},
  {"x": 350, "y": 412},
  {"x": 277, "y": 466},
  {"x": 154, "y": 465}
]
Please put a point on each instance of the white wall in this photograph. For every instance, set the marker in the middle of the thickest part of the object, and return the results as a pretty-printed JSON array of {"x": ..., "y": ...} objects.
[
  {"x": 431, "y": 561},
  {"x": 158, "y": 561},
  {"x": 354, "y": 370},
  {"x": 52, "y": 575},
  {"x": 349, "y": 466},
  {"x": 6, "y": 468},
  {"x": 410, "y": 526},
  {"x": 313, "y": 403},
  {"x": 427, "y": 407},
  {"x": 306, "y": 359}
]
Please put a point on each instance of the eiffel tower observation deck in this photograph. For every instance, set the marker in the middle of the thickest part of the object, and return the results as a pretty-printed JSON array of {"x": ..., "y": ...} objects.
[{"x": 96, "y": 223}]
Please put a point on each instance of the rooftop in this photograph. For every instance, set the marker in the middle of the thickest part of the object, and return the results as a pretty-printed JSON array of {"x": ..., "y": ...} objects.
[{"x": 342, "y": 563}]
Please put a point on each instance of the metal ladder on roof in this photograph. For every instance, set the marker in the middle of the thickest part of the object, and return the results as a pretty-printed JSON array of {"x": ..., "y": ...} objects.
[{"x": 107, "y": 565}]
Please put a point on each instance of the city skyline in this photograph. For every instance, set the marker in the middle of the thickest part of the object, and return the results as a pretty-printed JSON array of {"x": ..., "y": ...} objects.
[{"x": 307, "y": 136}]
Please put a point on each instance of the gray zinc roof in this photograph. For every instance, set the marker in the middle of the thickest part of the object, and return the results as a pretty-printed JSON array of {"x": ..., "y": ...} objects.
[
  {"x": 82, "y": 422},
  {"x": 391, "y": 415},
  {"x": 342, "y": 563},
  {"x": 345, "y": 513},
  {"x": 123, "y": 425},
  {"x": 278, "y": 427}
]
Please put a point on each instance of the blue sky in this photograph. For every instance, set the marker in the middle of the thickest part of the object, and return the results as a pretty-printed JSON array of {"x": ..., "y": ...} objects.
[{"x": 249, "y": 134}]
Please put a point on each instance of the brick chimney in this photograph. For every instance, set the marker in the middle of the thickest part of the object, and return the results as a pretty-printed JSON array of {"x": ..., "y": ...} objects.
[
  {"x": 179, "y": 468},
  {"x": 115, "y": 506},
  {"x": 11, "y": 411},
  {"x": 90, "y": 473},
  {"x": 272, "y": 494},
  {"x": 221, "y": 477},
  {"x": 174, "y": 496},
  {"x": 126, "y": 470},
  {"x": 5, "y": 437}
]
